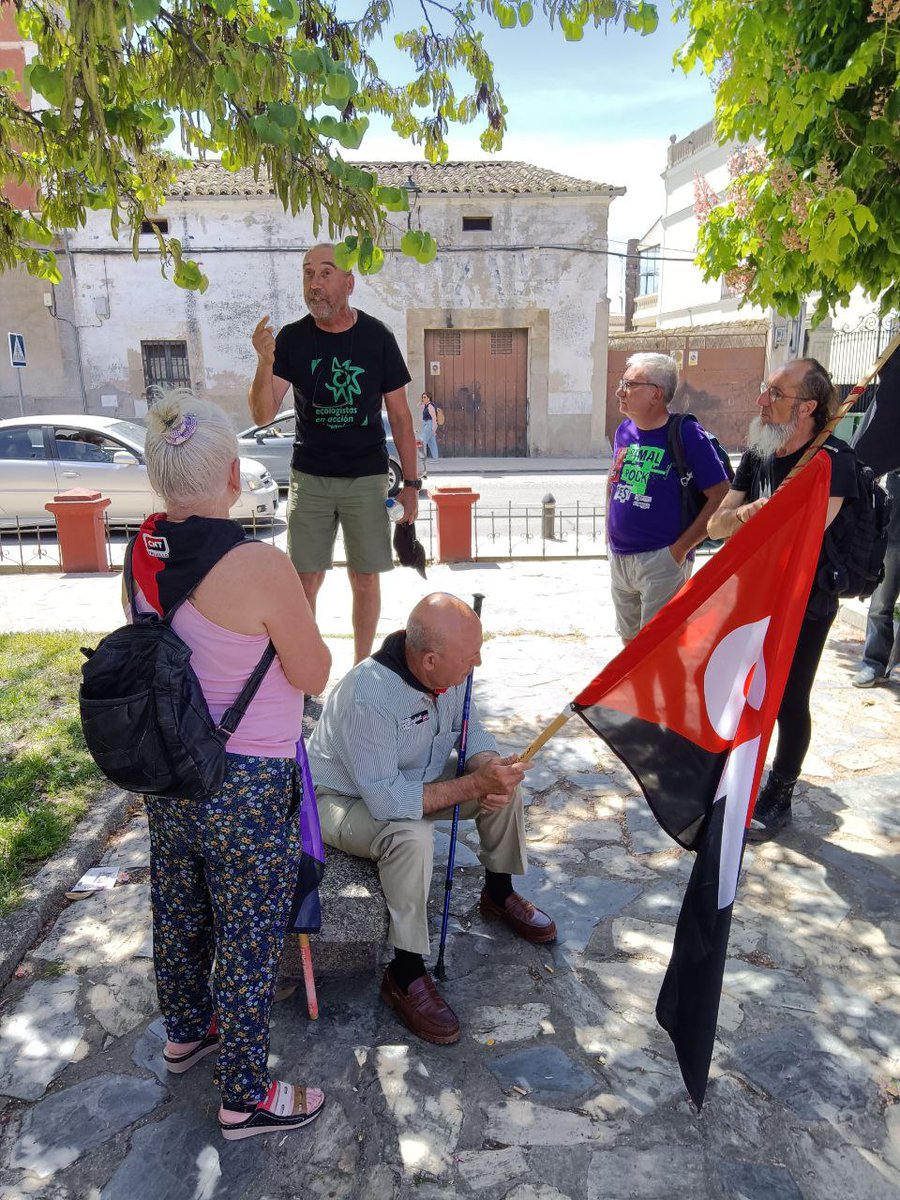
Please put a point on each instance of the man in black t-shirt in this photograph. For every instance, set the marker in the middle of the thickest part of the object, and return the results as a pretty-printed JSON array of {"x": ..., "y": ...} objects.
[
  {"x": 795, "y": 404},
  {"x": 342, "y": 365}
]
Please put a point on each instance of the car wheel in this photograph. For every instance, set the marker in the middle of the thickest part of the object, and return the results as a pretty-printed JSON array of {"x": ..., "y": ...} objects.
[{"x": 395, "y": 477}]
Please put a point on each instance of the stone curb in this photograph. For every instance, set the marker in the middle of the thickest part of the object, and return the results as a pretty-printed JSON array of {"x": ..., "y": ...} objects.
[
  {"x": 44, "y": 897},
  {"x": 854, "y": 613}
]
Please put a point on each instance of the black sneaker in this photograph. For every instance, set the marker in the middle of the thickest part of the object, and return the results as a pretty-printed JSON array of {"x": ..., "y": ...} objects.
[{"x": 773, "y": 808}]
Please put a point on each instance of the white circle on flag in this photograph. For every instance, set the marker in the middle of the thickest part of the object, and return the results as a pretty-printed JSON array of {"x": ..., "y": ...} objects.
[{"x": 725, "y": 689}]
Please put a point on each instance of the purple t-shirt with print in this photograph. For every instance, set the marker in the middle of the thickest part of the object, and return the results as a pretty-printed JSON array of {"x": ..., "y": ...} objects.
[{"x": 645, "y": 491}]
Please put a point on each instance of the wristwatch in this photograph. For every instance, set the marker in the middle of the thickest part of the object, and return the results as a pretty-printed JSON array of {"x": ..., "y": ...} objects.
[{"x": 416, "y": 483}]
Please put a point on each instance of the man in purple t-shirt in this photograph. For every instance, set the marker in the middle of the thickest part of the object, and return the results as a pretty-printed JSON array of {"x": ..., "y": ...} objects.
[{"x": 650, "y": 550}]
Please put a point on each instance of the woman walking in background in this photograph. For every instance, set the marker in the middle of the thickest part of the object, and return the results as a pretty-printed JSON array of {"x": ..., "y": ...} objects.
[
  {"x": 223, "y": 869},
  {"x": 429, "y": 425}
]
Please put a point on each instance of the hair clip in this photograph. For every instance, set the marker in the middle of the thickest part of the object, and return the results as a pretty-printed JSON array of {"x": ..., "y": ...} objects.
[{"x": 182, "y": 431}]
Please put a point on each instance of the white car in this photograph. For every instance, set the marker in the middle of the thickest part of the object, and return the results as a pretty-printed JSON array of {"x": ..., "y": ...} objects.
[{"x": 41, "y": 456}]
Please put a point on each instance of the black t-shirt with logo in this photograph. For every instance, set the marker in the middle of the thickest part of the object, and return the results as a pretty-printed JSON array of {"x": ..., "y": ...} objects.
[
  {"x": 758, "y": 476},
  {"x": 339, "y": 380}
]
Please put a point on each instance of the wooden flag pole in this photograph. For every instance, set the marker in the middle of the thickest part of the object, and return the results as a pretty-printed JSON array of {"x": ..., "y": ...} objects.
[
  {"x": 852, "y": 396},
  {"x": 546, "y": 734},
  {"x": 309, "y": 980}
]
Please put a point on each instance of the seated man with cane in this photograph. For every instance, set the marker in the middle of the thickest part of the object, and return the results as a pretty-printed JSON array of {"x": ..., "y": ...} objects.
[{"x": 381, "y": 760}]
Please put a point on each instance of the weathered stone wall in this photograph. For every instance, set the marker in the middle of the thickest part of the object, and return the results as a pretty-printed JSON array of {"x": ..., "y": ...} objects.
[{"x": 541, "y": 267}]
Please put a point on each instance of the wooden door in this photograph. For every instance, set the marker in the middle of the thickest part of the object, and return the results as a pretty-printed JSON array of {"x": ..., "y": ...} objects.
[{"x": 480, "y": 383}]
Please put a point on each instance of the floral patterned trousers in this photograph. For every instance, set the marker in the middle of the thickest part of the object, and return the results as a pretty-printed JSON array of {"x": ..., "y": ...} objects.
[{"x": 222, "y": 878}]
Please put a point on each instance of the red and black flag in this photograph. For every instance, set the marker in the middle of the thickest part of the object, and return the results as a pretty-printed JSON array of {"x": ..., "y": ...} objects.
[
  {"x": 689, "y": 707},
  {"x": 877, "y": 440}
]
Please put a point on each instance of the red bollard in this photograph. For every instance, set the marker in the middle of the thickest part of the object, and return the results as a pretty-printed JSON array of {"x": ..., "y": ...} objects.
[
  {"x": 454, "y": 507},
  {"x": 79, "y": 525}
]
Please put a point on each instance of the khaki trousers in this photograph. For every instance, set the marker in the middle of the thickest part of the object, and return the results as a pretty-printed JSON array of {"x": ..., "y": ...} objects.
[{"x": 404, "y": 854}]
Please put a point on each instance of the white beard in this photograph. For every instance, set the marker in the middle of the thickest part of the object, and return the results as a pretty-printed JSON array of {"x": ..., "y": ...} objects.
[
  {"x": 321, "y": 309},
  {"x": 766, "y": 440}
]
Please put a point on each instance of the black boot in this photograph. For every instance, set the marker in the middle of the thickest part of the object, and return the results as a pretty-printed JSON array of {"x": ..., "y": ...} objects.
[{"x": 773, "y": 808}]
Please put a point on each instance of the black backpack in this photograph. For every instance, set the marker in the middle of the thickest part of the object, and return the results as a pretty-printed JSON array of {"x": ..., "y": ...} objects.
[
  {"x": 692, "y": 498},
  {"x": 855, "y": 541},
  {"x": 145, "y": 719}
]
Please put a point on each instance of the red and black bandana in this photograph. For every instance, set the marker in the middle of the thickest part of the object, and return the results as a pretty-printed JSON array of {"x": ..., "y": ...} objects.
[{"x": 169, "y": 558}]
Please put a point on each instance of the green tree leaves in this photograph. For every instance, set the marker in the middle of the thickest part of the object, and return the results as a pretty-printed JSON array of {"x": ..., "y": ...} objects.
[
  {"x": 145, "y": 10},
  {"x": 359, "y": 253},
  {"x": 816, "y": 81},
  {"x": 49, "y": 83},
  {"x": 279, "y": 87},
  {"x": 419, "y": 245}
]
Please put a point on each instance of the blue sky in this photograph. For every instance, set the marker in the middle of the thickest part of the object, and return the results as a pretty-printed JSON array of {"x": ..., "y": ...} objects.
[{"x": 602, "y": 109}]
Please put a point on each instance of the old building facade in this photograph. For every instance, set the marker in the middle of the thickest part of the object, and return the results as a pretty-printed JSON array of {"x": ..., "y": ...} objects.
[
  {"x": 721, "y": 346},
  {"x": 508, "y": 328}
]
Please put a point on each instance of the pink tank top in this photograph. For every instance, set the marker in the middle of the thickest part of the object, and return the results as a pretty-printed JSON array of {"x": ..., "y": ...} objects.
[{"x": 223, "y": 661}]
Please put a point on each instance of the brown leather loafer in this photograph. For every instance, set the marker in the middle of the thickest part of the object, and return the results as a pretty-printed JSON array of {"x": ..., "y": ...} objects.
[
  {"x": 521, "y": 916},
  {"x": 422, "y": 1009}
]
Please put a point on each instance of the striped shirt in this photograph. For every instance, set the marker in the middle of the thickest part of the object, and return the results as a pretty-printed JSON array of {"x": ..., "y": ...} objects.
[{"x": 383, "y": 740}]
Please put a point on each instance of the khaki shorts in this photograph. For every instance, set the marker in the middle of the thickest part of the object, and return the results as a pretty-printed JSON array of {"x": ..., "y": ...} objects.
[{"x": 318, "y": 504}]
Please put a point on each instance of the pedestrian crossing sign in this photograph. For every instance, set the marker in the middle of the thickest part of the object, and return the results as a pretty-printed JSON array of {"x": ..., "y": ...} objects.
[{"x": 17, "y": 350}]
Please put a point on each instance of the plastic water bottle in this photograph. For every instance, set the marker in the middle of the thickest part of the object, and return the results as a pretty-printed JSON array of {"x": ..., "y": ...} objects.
[{"x": 395, "y": 510}]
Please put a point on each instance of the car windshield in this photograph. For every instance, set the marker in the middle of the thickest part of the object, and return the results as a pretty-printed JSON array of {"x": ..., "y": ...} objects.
[{"x": 128, "y": 429}]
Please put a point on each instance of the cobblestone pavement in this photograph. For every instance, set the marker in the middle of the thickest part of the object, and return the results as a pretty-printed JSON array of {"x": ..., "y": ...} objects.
[{"x": 562, "y": 1085}]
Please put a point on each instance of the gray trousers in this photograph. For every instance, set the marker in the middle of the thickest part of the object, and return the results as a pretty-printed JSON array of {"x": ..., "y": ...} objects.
[
  {"x": 404, "y": 854},
  {"x": 641, "y": 584}
]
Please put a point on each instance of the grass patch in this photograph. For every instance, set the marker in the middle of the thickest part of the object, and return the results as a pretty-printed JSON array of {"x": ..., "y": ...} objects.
[{"x": 47, "y": 777}]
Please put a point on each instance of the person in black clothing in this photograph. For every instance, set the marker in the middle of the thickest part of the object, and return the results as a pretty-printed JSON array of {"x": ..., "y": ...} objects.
[
  {"x": 342, "y": 364},
  {"x": 795, "y": 404},
  {"x": 429, "y": 425},
  {"x": 879, "y": 644}
]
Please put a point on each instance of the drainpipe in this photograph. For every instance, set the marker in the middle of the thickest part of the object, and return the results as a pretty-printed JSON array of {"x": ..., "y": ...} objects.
[{"x": 77, "y": 331}]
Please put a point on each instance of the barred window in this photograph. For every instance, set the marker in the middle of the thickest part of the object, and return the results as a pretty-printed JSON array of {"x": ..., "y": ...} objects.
[
  {"x": 501, "y": 342},
  {"x": 449, "y": 343},
  {"x": 165, "y": 366}
]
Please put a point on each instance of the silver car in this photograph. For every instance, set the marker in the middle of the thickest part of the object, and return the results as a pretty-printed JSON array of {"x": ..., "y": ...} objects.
[
  {"x": 41, "y": 456},
  {"x": 273, "y": 445}
]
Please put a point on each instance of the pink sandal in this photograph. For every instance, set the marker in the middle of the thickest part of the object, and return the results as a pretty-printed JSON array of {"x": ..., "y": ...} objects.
[
  {"x": 286, "y": 1106},
  {"x": 177, "y": 1064}
]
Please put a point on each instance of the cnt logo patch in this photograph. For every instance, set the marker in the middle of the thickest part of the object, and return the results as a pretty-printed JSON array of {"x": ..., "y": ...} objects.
[{"x": 156, "y": 546}]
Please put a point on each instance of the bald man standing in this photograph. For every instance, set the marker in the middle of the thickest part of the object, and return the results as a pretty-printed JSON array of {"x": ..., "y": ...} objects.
[
  {"x": 382, "y": 758},
  {"x": 342, "y": 364}
]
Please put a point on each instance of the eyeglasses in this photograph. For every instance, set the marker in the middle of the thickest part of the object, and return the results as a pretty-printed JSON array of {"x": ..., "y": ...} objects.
[
  {"x": 776, "y": 394},
  {"x": 626, "y": 385}
]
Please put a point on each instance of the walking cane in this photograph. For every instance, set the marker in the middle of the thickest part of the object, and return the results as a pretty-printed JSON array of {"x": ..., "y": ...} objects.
[{"x": 460, "y": 767}]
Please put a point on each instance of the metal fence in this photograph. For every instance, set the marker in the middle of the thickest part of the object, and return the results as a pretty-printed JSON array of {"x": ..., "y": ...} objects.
[
  {"x": 855, "y": 348},
  {"x": 513, "y": 532},
  {"x": 26, "y": 547},
  {"x": 526, "y": 531}
]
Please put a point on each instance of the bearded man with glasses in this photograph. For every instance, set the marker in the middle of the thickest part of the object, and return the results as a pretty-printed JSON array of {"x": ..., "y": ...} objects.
[
  {"x": 795, "y": 404},
  {"x": 650, "y": 549}
]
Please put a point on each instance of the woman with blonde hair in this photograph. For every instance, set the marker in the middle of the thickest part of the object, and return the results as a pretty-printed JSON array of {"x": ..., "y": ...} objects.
[{"x": 222, "y": 870}]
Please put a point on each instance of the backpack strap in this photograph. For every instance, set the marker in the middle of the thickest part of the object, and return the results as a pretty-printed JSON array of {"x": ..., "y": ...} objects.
[
  {"x": 234, "y": 715},
  {"x": 128, "y": 575},
  {"x": 683, "y": 471},
  {"x": 129, "y": 578}
]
